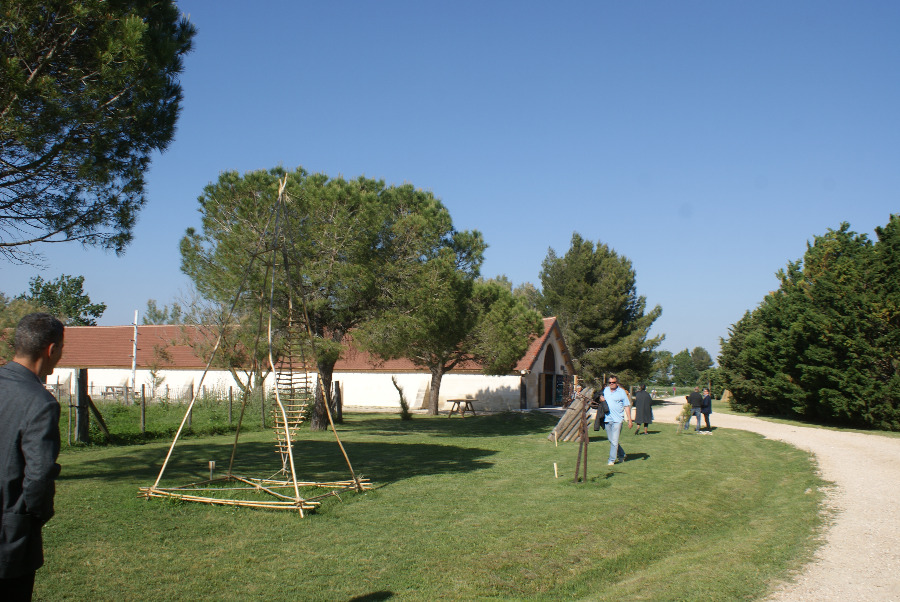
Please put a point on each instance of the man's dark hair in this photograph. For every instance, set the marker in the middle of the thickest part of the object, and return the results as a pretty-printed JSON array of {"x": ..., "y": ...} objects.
[
  {"x": 643, "y": 387},
  {"x": 35, "y": 332}
]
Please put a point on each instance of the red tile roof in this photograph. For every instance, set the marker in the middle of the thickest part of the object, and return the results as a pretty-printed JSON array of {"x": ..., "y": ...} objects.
[{"x": 111, "y": 347}]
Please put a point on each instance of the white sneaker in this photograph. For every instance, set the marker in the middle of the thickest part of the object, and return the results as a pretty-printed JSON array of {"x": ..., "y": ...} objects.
[{"x": 610, "y": 463}]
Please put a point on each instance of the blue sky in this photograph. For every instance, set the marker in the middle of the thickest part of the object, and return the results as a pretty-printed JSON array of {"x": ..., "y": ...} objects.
[{"x": 707, "y": 141}]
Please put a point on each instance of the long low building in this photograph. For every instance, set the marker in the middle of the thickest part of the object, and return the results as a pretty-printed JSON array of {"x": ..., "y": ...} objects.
[{"x": 170, "y": 361}]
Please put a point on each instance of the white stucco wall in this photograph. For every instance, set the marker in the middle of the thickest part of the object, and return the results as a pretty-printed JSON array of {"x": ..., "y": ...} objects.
[
  {"x": 180, "y": 380},
  {"x": 360, "y": 389},
  {"x": 366, "y": 389}
]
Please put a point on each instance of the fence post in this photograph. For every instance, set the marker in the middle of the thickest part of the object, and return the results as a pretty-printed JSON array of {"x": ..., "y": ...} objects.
[
  {"x": 191, "y": 412},
  {"x": 143, "y": 411},
  {"x": 82, "y": 432},
  {"x": 230, "y": 400},
  {"x": 69, "y": 413}
]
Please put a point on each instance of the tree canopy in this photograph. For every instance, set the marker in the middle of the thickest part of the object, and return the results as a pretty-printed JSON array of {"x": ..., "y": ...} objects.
[
  {"x": 163, "y": 315},
  {"x": 826, "y": 345},
  {"x": 592, "y": 291},
  {"x": 447, "y": 316},
  {"x": 64, "y": 298},
  {"x": 89, "y": 90},
  {"x": 684, "y": 370},
  {"x": 348, "y": 248}
]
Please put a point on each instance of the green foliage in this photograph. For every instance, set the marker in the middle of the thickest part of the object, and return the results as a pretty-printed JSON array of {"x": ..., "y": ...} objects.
[
  {"x": 11, "y": 311},
  {"x": 593, "y": 293},
  {"x": 88, "y": 92},
  {"x": 165, "y": 315},
  {"x": 824, "y": 346},
  {"x": 64, "y": 298},
  {"x": 532, "y": 298},
  {"x": 701, "y": 359},
  {"x": 714, "y": 378},
  {"x": 405, "y": 414},
  {"x": 684, "y": 371},
  {"x": 662, "y": 367},
  {"x": 351, "y": 250}
]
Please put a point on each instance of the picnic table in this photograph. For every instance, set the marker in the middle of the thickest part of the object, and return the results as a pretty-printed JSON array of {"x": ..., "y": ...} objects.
[
  {"x": 113, "y": 392},
  {"x": 461, "y": 406}
]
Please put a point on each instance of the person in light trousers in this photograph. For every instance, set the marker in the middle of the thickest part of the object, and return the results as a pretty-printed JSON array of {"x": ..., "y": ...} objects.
[{"x": 619, "y": 410}]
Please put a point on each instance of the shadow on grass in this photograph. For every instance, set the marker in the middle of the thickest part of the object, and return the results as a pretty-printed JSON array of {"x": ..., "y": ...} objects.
[
  {"x": 314, "y": 460},
  {"x": 382, "y": 595},
  {"x": 490, "y": 425}
]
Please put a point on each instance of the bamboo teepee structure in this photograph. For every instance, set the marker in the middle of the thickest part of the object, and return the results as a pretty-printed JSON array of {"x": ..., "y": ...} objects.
[{"x": 295, "y": 393}]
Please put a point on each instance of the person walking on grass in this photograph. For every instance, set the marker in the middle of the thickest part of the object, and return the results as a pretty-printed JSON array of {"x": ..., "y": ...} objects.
[
  {"x": 706, "y": 408},
  {"x": 696, "y": 401},
  {"x": 29, "y": 447},
  {"x": 643, "y": 413},
  {"x": 619, "y": 408}
]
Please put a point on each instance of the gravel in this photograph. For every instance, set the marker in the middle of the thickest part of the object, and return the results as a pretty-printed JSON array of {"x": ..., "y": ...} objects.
[{"x": 860, "y": 556}]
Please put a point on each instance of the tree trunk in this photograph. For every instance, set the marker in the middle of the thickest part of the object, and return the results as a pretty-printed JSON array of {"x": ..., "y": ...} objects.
[
  {"x": 319, "y": 420},
  {"x": 436, "y": 375}
]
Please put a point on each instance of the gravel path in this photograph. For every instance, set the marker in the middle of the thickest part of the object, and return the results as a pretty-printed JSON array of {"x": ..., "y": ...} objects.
[{"x": 860, "y": 558}]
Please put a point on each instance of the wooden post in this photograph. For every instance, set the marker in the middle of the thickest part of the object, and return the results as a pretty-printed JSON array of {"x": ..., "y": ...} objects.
[
  {"x": 143, "y": 409},
  {"x": 69, "y": 413},
  {"x": 582, "y": 444},
  {"x": 191, "y": 410},
  {"x": 82, "y": 413},
  {"x": 230, "y": 402}
]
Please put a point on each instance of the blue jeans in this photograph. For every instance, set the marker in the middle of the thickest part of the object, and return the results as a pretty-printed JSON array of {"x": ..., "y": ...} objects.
[
  {"x": 613, "y": 430},
  {"x": 694, "y": 412}
]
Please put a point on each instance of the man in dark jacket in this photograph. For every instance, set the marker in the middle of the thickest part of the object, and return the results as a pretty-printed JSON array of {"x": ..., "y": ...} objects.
[
  {"x": 696, "y": 401},
  {"x": 29, "y": 446},
  {"x": 706, "y": 408}
]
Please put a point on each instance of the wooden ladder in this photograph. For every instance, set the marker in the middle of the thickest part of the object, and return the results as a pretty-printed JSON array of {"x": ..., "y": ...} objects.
[{"x": 296, "y": 392}]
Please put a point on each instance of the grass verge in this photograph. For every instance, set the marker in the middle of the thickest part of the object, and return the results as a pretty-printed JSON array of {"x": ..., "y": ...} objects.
[{"x": 463, "y": 509}]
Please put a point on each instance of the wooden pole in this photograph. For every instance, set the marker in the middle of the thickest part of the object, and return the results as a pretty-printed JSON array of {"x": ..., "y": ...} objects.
[
  {"x": 82, "y": 430},
  {"x": 143, "y": 409},
  {"x": 230, "y": 402},
  {"x": 262, "y": 403},
  {"x": 69, "y": 412}
]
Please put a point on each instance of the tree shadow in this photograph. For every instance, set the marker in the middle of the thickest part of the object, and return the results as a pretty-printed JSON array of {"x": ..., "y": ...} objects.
[
  {"x": 503, "y": 424},
  {"x": 381, "y": 462},
  {"x": 373, "y": 597}
]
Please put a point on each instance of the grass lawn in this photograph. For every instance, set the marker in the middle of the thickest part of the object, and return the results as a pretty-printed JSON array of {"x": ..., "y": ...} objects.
[{"x": 462, "y": 509}]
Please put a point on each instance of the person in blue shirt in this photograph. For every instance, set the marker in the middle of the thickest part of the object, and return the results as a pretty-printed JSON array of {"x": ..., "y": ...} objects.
[{"x": 619, "y": 409}]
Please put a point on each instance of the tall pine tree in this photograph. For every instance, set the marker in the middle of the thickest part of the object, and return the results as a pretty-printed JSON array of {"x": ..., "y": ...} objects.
[{"x": 592, "y": 291}]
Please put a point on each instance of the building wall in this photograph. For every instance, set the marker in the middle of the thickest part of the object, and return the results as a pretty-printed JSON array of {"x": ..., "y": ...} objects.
[
  {"x": 359, "y": 389},
  {"x": 372, "y": 389},
  {"x": 176, "y": 382}
]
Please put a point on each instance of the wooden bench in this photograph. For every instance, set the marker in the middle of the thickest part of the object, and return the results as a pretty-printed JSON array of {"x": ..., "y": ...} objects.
[
  {"x": 114, "y": 392},
  {"x": 461, "y": 406}
]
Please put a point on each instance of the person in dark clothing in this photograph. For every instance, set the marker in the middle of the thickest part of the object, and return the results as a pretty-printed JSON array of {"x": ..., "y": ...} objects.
[
  {"x": 643, "y": 411},
  {"x": 29, "y": 447},
  {"x": 696, "y": 401},
  {"x": 706, "y": 408}
]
